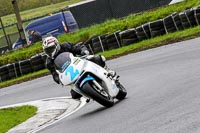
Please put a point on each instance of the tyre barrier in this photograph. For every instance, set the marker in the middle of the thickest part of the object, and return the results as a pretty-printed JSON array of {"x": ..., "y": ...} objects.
[
  {"x": 191, "y": 17},
  {"x": 188, "y": 18},
  {"x": 147, "y": 31},
  {"x": 11, "y": 71},
  {"x": 157, "y": 28},
  {"x": 197, "y": 14},
  {"x": 4, "y": 73},
  {"x": 17, "y": 69},
  {"x": 88, "y": 44},
  {"x": 113, "y": 40},
  {"x": 128, "y": 37},
  {"x": 25, "y": 66},
  {"x": 99, "y": 44},
  {"x": 37, "y": 62},
  {"x": 89, "y": 47},
  {"x": 169, "y": 24},
  {"x": 96, "y": 46},
  {"x": 178, "y": 22},
  {"x": 185, "y": 20},
  {"x": 103, "y": 42},
  {"x": 141, "y": 34}
]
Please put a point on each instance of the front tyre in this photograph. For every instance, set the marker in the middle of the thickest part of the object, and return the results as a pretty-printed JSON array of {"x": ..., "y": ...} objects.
[
  {"x": 101, "y": 96},
  {"x": 122, "y": 91}
]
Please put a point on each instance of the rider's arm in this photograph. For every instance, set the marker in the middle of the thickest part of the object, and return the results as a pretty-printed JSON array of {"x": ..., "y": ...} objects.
[
  {"x": 75, "y": 49},
  {"x": 81, "y": 49},
  {"x": 50, "y": 67}
]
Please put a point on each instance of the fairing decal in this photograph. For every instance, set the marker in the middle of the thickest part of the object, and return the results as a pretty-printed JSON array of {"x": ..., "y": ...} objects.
[{"x": 85, "y": 80}]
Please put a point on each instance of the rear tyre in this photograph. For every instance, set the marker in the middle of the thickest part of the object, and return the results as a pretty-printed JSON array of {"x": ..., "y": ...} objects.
[
  {"x": 122, "y": 91},
  {"x": 102, "y": 97}
]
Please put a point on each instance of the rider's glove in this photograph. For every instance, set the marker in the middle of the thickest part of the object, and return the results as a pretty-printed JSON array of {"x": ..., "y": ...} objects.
[
  {"x": 90, "y": 57},
  {"x": 85, "y": 52}
]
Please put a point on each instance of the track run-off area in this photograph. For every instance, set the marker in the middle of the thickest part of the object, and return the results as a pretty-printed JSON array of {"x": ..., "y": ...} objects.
[{"x": 163, "y": 86}]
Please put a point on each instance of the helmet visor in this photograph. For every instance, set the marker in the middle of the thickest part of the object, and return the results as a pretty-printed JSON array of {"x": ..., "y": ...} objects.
[{"x": 50, "y": 50}]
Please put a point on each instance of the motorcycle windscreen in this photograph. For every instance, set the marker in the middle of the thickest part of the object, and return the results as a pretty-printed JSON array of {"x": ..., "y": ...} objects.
[{"x": 62, "y": 61}]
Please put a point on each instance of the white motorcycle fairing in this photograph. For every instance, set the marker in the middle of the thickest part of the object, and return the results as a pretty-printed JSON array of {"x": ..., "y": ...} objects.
[{"x": 82, "y": 74}]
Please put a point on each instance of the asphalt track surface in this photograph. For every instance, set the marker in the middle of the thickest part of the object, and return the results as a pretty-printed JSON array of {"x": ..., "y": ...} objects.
[{"x": 163, "y": 95}]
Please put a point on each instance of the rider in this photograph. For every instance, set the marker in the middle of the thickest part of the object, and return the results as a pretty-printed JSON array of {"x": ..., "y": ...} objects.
[{"x": 52, "y": 48}]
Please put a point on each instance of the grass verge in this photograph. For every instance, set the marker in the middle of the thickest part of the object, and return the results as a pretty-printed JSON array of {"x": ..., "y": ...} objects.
[
  {"x": 28, "y": 14},
  {"x": 136, "y": 47},
  {"x": 131, "y": 21},
  {"x": 155, "y": 42},
  {"x": 11, "y": 117},
  {"x": 107, "y": 27},
  {"x": 24, "y": 78}
]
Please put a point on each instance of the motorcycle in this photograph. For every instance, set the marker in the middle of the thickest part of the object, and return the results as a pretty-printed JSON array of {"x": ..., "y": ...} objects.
[{"x": 88, "y": 79}]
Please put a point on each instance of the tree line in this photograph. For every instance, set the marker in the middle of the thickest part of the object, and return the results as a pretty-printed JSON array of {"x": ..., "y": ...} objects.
[{"x": 7, "y": 8}]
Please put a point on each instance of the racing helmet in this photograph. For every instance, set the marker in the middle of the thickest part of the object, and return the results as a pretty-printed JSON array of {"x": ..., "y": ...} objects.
[{"x": 51, "y": 46}]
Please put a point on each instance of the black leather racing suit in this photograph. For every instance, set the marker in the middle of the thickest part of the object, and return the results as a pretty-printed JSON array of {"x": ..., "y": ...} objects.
[{"x": 75, "y": 49}]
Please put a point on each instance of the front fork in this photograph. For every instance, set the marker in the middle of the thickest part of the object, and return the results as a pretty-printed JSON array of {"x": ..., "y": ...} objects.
[{"x": 100, "y": 88}]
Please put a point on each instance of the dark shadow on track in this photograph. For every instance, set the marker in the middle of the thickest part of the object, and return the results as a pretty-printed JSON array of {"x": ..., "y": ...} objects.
[{"x": 101, "y": 109}]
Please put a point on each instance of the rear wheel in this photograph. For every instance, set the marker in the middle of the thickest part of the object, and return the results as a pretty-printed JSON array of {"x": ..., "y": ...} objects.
[
  {"x": 99, "y": 95},
  {"x": 122, "y": 91}
]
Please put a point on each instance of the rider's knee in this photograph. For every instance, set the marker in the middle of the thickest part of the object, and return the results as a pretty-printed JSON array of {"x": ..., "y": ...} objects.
[{"x": 75, "y": 95}]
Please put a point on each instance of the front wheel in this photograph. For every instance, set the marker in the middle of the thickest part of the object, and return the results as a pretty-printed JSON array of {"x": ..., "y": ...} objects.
[
  {"x": 122, "y": 91},
  {"x": 101, "y": 96}
]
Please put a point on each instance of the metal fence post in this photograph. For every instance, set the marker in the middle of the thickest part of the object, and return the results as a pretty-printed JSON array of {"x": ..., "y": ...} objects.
[
  {"x": 4, "y": 32},
  {"x": 19, "y": 22}
]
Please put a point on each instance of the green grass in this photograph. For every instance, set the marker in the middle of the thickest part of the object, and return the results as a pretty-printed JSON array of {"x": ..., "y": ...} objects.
[
  {"x": 11, "y": 117},
  {"x": 24, "y": 78},
  {"x": 131, "y": 21},
  {"x": 136, "y": 47},
  {"x": 155, "y": 42},
  {"x": 115, "y": 25},
  {"x": 10, "y": 19},
  {"x": 25, "y": 15},
  {"x": 107, "y": 27},
  {"x": 17, "y": 55}
]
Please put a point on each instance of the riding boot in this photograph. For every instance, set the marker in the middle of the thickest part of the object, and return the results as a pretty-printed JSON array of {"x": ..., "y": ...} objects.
[{"x": 75, "y": 95}]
